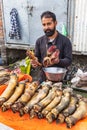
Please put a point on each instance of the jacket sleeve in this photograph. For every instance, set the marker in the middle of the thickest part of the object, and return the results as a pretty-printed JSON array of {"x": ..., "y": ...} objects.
[
  {"x": 67, "y": 54},
  {"x": 37, "y": 50}
]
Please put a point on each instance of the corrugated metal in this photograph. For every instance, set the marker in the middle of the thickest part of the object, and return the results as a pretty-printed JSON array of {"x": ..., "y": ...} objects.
[{"x": 78, "y": 25}]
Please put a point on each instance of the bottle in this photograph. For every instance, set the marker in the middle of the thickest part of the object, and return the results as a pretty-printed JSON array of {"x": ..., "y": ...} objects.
[{"x": 64, "y": 31}]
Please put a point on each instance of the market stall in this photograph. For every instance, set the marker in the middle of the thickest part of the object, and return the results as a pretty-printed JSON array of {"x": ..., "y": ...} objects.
[
  {"x": 17, "y": 122},
  {"x": 26, "y": 105}
]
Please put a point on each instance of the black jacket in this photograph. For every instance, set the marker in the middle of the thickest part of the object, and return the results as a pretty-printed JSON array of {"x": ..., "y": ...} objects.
[{"x": 62, "y": 43}]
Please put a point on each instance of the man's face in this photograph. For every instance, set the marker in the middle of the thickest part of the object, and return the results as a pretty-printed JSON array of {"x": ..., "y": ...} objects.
[{"x": 49, "y": 26}]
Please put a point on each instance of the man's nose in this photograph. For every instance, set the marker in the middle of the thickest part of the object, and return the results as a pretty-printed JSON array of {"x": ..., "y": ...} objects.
[{"x": 46, "y": 27}]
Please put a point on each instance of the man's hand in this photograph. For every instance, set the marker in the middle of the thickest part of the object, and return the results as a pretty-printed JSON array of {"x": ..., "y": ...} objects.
[
  {"x": 54, "y": 61},
  {"x": 34, "y": 63},
  {"x": 48, "y": 61},
  {"x": 54, "y": 58}
]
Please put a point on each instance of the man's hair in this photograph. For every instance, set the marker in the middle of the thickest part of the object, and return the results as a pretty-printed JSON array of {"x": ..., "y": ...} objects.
[{"x": 48, "y": 14}]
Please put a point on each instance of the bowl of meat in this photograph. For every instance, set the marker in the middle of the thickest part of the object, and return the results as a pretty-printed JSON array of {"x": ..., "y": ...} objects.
[{"x": 55, "y": 73}]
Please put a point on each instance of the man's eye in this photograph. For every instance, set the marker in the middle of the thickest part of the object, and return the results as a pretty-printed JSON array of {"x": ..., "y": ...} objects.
[{"x": 44, "y": 24}]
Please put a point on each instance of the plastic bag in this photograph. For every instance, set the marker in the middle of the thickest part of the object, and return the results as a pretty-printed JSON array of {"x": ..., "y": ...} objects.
[{"x": 25, "y": 66}]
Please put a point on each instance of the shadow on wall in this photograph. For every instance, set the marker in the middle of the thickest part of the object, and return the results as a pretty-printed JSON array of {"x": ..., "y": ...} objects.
[{"x": 1, "y": 63}]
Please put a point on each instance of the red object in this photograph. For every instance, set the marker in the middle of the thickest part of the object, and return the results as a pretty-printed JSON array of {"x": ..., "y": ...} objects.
[
  {"x": 51, "y": 50},
  {"x": 55, "y": 54}
]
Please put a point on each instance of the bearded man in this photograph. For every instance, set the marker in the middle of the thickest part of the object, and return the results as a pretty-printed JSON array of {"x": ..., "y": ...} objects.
[{"x": 55, "y": 39}]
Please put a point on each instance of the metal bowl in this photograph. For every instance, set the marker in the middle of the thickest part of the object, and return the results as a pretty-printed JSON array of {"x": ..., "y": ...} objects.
[{"x": 55, "y": 73}]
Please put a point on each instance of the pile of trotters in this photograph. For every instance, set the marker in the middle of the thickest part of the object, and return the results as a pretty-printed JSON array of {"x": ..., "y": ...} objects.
[{"x": 48, "y": 100}]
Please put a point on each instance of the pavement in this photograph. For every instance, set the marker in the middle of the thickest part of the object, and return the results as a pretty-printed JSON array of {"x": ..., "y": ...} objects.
[{"x": 5, "y": 127}]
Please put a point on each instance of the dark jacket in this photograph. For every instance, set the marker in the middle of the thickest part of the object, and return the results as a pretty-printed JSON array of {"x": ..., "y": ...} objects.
[{"x": 62, "y": 43}]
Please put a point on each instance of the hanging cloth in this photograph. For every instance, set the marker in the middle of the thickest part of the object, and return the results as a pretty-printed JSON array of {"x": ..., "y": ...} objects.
[{"x": 14, "y": 32}]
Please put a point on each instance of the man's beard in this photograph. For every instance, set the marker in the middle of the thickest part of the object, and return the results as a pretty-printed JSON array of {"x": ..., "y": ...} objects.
[{"x": 49, "y": 32}]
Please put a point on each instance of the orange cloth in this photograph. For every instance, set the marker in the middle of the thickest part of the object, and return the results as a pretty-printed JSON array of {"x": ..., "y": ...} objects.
[
  {"x": 24, "y": 123},
  {"x": 2, "y": 88},
  {"x": 24, "y": 77}
]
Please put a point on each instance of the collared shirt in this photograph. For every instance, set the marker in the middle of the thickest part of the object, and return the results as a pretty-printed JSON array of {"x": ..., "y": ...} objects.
[{"x": 61, "y": 42}]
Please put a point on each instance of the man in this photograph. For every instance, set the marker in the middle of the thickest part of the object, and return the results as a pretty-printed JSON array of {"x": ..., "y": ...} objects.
[{"x": 52, "y": 37}]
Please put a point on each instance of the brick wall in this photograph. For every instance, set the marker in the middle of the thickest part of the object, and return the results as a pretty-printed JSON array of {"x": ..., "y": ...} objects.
[
  {"x": 2, "y": 43},
  {"x": 1, "y": 22}
]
